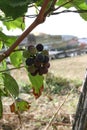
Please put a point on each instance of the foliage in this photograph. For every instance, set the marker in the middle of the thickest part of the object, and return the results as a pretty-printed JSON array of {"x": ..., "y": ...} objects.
[
  {"x": 19, "y": 105},
  {"x": 9, "y": 85},
  {"x": 60, "y": 85},
  {"x": 12, "y": 15},
  {"x": 56, "y": 85},
  {"x": 15, "y": 9}
]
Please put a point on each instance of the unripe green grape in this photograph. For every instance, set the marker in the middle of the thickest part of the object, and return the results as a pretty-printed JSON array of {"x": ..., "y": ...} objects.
[
  {"x": 30, "y": 46},
  {"x": 26, "y": 54},
  {"x": 45, "y": 52},
  {"x": 32, "y": 50}
]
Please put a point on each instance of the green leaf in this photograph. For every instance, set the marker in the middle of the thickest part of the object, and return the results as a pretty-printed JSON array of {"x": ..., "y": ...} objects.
[
  {"x": 19, "y": 105},
  {"x": 78, "y": 2},
  {"x": 3, "y": 65},
  {"x": 11, "y": 11},
  {"x": 82, "y": 6},
  {"x": 17, "y": 23},
  {"x": 39, "y": 2},
  {"x": 1, "y": 108},
  {"x": 22, "y": 105},
  {"x": 10, "y": 84},
  {"x": 72, "y": 3},
  {"x": 7, "y": 40},
  {"x": 15, "y": 8},
  {"x": 61, "y": 2},
  {"x": 84, "y": 16},
  {"x": 1, "y": 45},
  {"x": 36, "y": 81},
  {"x": 16, "y": 58},
  {"x": 15, "y": 3}
]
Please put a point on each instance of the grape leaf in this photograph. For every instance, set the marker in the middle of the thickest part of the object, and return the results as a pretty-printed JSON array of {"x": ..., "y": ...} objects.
[
  {"x": 11, "y": 11},
  {"x": 19, "y": 105},
  {"x": 36, "y": 81},
  {"x": 15, "y": 3},
  {"x": 15, "y": 8},
  {"x": 61, "y": 2},
  {"x": 82, "y": 6},
  {"x": 10, "y": 84},
  {"x": 1, "y": 109},
  {"x": 7, "y": 40},
  {"x": 37, "y": 95},
  {"x": 84, "y": 16},
  {"x": 73, "y": 3},
  {"x": 3, "y": 66},
  {"x": 17, "y": 23},
  {"x": 1, "y": 45},
  {"x": 16, "y": 58}
]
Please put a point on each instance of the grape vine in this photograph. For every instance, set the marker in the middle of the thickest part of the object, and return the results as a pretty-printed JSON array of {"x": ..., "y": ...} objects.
[{"x": 12, "y": 15}]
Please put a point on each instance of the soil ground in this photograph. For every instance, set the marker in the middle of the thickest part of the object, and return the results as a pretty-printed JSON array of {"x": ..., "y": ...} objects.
[{"x": 44, "y": 108}]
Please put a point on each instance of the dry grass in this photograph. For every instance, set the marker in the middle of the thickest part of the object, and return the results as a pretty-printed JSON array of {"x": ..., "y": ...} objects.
[
  {"x": 71, "y": 68},
  {"x": 43, "y": 109}
]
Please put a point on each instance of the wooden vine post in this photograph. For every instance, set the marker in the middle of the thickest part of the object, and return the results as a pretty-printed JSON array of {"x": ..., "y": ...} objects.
[{"x": 80, "y": 122}]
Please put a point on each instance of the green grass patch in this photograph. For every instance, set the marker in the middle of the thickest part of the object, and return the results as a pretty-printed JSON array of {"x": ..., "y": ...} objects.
[{"x": 60, "y": 85}]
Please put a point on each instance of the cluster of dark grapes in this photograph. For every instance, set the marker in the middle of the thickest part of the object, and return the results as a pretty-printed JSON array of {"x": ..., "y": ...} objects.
[{"x": 37, "y": 59}]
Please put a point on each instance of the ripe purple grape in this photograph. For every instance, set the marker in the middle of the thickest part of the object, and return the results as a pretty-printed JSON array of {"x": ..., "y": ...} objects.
[
  {"x": 39, "y": 47},
  {"x": 29, "y": 61},
  {"x": 37, "y": 60},
  {"x": 34, "y": 73},
  {"x": 46, "y": 65},
  {"x": 40, "y": 57},
  {"x": 46, "y": 59},
  {"x": 37, "y": 64},
  {"x": 43, "y": 70}
]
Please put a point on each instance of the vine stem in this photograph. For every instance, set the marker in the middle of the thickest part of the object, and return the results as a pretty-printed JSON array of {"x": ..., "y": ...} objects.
[
  {"x": 40, "y": 19},
  {"x": 58, "y": 109},
  {"x": 2, "y": 71}
]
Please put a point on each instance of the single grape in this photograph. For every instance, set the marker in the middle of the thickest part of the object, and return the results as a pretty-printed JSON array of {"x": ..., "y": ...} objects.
[
  {"x": 45, "y": 52},
  {"x": 46, "y": 65},
  {"x": 26, "y": 54},
  {"x": 34, "y": 73},
  {"x": 40, "y": 58},
  {"x": 46, "y": 59},
  {"x": 39, "y": 47},
  {"x": 32, "y": 50},
  {"x": 30, "y": 46},
  {"x": 32, "y": 69},
  {"x": 43, "y": 70},
  {"x": 37, "y": 64},
  {"x": 29, "y": 61},
  {"x": 40, "y": 71}
]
